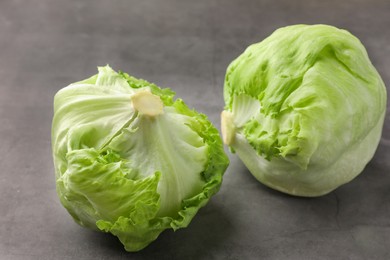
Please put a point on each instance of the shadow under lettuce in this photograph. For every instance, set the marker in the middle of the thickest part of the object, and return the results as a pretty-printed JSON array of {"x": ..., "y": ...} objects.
[{"x": 204, "y": 236}]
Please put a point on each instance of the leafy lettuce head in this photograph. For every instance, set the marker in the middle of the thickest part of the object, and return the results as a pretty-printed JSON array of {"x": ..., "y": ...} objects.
[
  {"x": 304, "y": 109},
  {"x": 130, "y": 160}
]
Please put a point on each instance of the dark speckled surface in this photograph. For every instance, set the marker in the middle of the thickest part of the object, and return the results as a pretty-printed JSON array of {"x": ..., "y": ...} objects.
[{"x": 184, "y": 45}]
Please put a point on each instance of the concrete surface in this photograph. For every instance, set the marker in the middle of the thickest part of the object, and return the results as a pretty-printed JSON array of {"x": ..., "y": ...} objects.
[{"x": 185, "y": 45}]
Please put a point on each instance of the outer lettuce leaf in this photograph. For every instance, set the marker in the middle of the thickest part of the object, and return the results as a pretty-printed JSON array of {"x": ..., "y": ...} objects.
[
  {"x": 313, "y": 97},
  {"x": 107, "y": 185},
  {"x": 177, "y": 152},
  {"x": 126, "y": 173}
]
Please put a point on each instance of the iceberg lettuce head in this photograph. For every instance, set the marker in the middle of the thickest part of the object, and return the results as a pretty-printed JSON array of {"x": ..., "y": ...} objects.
[
  {"x": 304, "y": 109},
  {"x": 131, "y": 160}
]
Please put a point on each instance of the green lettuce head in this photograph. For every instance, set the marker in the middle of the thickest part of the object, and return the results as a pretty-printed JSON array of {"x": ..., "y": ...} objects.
[
  {"x": 304, "y": 109},
  {"x": 131, "y": 160}
]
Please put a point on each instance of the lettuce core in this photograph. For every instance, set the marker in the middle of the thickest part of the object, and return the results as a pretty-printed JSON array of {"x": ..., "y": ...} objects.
[{"x": 147, "y": 104}]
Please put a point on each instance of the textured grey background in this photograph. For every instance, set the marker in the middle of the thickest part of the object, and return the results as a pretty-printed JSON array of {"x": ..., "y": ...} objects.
[{"x": 184, "y": 45}]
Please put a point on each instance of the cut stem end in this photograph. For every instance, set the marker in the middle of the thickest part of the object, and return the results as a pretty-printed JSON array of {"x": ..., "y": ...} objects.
[
  {"x": 227, "y": 127},
  {"x": 147, "y": 103}
]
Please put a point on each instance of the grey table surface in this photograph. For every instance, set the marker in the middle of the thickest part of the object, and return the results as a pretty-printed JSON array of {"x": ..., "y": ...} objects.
[{"x": 184, "y": 45}]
